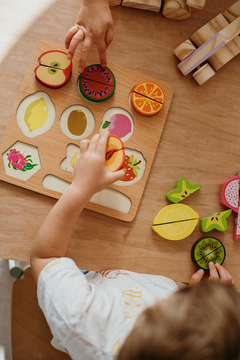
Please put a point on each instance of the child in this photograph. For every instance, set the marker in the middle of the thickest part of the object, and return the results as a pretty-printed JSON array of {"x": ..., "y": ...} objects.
[
  {"x": 94, "y": 26},
  {"x": 91, "y": 315}
]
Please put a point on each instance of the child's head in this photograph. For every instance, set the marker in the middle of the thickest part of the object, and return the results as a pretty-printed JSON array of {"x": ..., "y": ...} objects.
[{"x": 196, "y": 323}]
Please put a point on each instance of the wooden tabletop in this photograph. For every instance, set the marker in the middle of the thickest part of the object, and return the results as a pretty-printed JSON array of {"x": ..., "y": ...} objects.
[{"x": 200, "y": 142}]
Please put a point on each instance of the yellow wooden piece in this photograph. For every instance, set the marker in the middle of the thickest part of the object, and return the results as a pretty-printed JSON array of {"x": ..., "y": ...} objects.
[
  {"x": 208, "y": 49},
  {"x": 233, "y": 12},
  {"x": 175, "y": 222},
  {"x": 184, "y": 50},
  {"x": 151, "y": 5},
  {"x": 176, "y": 9},
  {"x": 198, "y": 4}
]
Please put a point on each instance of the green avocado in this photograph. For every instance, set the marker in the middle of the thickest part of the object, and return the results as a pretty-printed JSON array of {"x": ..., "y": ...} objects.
[
  {"x": 216, "y": 221},
  {"x": 183, "y": 190}
]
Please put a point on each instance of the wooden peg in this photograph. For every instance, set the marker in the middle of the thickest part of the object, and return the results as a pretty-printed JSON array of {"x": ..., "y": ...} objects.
[
  {"x": 151, "y": 5},
  {"x": 198, "y": 4},
  {"x": 203, "y": 74},
  {"x": 184, "y": 50},
  {"x": 176, "y": 9}
]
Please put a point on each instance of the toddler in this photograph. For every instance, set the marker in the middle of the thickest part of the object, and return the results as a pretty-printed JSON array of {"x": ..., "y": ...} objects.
[{"x": 118, "y": 313}]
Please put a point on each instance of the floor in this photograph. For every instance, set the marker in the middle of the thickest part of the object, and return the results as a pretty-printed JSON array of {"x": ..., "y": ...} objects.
[{"x": 12, "y": 26}]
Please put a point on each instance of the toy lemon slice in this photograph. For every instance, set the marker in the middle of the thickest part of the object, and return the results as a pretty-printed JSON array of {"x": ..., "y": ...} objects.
[{"x": 175, "y": 222}]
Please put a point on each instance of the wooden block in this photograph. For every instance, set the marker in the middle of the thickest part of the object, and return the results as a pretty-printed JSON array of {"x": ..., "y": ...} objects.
[
  {"x": 175, "y": 222},
  {"x": 54, "y": 69},
  {"x": 176, "y": 9},
  {"x": 210, "y": 47},
  {"x": 147, "y": 98},
  {"x": 184, "y": 50},
  {"x": 115, "y": 2},
  {"x": 233, "y": 12},
  {"x": 198, "y": 4},
  {"x": 227, "y": 52},
  {"x": 97, "y": 83},
  {"x": 203, "y": 74},
  {"x": 216, "y": 221},
  {"x": 229, "y": 193},
  {"x": 182, "y": 191},
  {"x": 151, "y": 5},
  {"x": 236, "y": 233},
  {"x": 207, "y": 249}
]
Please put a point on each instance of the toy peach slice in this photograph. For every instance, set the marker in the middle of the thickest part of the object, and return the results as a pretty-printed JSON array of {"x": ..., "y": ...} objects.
[{"x": 115, "y": 154}]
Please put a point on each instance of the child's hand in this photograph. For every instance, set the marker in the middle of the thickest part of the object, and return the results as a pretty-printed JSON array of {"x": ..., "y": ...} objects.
[
  {"x": 216, "y": 273},
  {"x": 90, "y": 174},
  {"x": 94, "y": 26}
]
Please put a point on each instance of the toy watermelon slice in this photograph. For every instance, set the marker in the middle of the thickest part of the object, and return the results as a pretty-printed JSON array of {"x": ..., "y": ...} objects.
[
  {"x": 236, "y": 233},
  {"x": 229, "y": 193},
  {"x": 97, "y": 83}
]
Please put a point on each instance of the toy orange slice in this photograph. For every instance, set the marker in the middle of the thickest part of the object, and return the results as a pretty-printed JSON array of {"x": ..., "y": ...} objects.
[
  {"x": 115, "y": 154},
  {"x": 147, "y": 98}
]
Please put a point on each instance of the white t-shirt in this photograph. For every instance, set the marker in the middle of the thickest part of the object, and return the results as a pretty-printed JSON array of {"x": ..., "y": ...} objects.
[{"x": 91, "y": 315}]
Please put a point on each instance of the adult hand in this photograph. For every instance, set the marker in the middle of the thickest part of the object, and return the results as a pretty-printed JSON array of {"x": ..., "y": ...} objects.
[
  {"x": 94, "y": 26},
  {"x": 216, "y": 273}
]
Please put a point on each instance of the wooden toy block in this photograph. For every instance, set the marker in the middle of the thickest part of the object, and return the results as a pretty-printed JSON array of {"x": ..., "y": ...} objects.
[
  {"x": 97, "y": 83},
  {"x": 62, "y": 118},
  {"x": 210, "y": 47},
  {"x": 224, "y": 54},
  {"x": 176, "y": 9},
  {"x": 229, "y": 193},
  {"x": 207, "y": 249},
  {"x": 151, "y": 5},
  {"x": 182, "y": 191},
  {"x": 175, "y": 222},
  {"x": 236, "y": 233},
  {"x": 198, "y": 4},
  {"x": 147, "y": 98},
  {"x": 184, "y": 50},
  {"x": 115, "y": 2},
  {"x": 233, "y": 12},
  {"x": 54, "y": 69},
  {"x": 216, "y": 221}
]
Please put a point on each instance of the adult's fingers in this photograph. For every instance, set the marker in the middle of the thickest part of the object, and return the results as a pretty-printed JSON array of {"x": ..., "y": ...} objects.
[
  {"x": 76, "y": 39},
  {"x": 86, "y": 47},
  {"x": 196, "y": 277}
]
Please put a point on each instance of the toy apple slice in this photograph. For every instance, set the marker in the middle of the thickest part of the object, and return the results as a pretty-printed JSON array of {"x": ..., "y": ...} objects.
[
  {"x": 229, "y": 193},
  {"x": 115, "y": 154},
  {"x": 54, "y": 69}
]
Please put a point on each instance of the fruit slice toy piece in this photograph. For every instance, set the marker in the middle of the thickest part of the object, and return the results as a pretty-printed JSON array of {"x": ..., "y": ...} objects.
[
  {"x": 97, "y": 83},
  {"x": 54, "y": 69},
  {"x": 236, "y": 233},
  {"x": 147, "y": 98},
  {"x": 183, "y": 190},
  {"x": 216, "y": 221},
  {"x": 175, "y": 222},
  {"x": 207, "y": 249},
  {"x": 115, "y": 154},
  {"x": 95, "y": 91},
  {"x": 229, "y": 193}
]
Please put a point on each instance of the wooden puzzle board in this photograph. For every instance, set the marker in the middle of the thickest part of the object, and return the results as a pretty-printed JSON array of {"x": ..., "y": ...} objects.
[{"x": 52, "y": 144}]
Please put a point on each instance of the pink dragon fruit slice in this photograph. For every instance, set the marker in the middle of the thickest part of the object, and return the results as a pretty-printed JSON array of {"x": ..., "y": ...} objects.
[
  {"x": 236, "y": 233},
  {"x": 229, "y": 193}
]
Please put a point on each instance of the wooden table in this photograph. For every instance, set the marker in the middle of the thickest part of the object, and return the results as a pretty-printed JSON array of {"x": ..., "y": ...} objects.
[{"x": 200, "y": 141}]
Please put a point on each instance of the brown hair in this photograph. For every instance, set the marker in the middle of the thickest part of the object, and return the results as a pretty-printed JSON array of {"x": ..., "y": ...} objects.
[{"x": 196, "y": 323}]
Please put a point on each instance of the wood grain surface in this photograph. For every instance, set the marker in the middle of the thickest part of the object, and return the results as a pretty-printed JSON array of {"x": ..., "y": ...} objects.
[{"x": 200, "y": 142}]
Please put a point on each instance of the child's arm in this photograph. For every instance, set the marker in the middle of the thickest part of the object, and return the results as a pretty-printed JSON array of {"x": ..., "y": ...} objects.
[
  {"x": 94, "y": 25},
  {"x": 90, "y": 176},
  {"x": 216, "y": 273}
]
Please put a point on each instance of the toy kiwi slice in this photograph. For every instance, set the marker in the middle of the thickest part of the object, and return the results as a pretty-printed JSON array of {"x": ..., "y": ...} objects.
[{"x": 207, "y": 249}]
